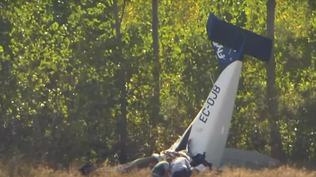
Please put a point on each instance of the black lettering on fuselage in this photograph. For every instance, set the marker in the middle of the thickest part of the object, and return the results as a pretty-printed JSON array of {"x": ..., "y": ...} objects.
[
  {"x": 210, "y": 102},
  {"x": 216, "y": 89},
  {"x": 215, "y": 95},
  {"x": 202, "y": 118},
  {"x": 205, "y": 110}
]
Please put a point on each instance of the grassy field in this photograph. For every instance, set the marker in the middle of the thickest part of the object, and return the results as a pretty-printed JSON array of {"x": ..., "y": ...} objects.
[{"x": 16, "y": 170}]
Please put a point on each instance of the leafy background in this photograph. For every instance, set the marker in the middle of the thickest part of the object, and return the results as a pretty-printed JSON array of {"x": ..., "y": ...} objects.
[{"x": 86, "y": 80}]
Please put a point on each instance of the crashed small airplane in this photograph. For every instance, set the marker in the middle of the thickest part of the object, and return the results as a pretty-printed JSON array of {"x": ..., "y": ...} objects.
[{"x": 205, "y": 139}]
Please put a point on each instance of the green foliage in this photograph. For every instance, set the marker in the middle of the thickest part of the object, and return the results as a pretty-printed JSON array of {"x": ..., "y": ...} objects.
[{"x": 61, "y": 74}]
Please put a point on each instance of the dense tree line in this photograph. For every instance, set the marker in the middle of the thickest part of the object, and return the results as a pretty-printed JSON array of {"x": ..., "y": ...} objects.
[{"x": 89, "y": 80}]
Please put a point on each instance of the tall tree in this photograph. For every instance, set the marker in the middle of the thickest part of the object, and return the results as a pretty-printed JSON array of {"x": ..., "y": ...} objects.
[
  {"x": 272, "y": 96},
  {"x": 122, "y": 123},
  {"x": 156, "y": 69}
]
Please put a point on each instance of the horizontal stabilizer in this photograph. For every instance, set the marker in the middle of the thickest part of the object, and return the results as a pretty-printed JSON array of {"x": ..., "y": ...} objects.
[{"x": 228, "y": 35}]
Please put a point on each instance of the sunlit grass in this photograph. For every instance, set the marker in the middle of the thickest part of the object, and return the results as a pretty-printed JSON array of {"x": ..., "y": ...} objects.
[{"x": 19, "y": 170}]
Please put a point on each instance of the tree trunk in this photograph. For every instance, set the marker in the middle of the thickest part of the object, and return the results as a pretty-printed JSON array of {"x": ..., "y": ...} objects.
[
  {"x": 272, "y": 99},
  {"x": 156, "y": 71},
  {"x": 122, "y": 123}
]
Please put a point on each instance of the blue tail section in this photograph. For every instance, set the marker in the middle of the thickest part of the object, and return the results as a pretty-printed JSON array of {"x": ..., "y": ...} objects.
[
  {"x": 226, "y": 55},
  {"x": 236, "y": 38}
]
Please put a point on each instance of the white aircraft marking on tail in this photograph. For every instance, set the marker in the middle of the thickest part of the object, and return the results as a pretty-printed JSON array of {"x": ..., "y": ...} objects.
[{"x": 219, "y": 51}]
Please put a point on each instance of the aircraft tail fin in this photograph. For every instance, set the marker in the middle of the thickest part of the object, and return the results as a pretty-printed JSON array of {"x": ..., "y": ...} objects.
[{"x": 229, "y": 35}]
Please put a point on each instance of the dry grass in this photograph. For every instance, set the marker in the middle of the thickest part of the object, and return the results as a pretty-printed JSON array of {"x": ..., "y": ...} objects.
[{"x": 16, "y": 170}]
